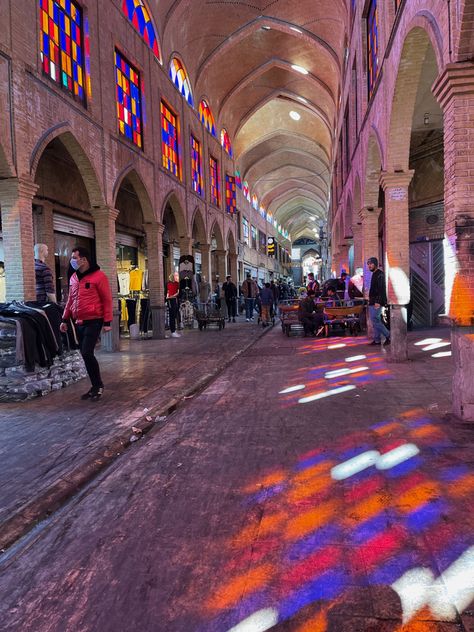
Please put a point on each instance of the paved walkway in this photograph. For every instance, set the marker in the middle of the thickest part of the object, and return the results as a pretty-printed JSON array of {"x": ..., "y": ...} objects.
[
  {"x": 312, "y": 487},
  {"x": 50, "y": 446}
]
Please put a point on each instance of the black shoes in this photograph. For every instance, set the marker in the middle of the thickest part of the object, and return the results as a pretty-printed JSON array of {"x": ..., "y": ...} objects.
[
  {"x": 373, "y": 343},
  {"x": 233, "y": 320},
  {"x": 387, "y": 342},
  {"x": 94, "y": 394}
]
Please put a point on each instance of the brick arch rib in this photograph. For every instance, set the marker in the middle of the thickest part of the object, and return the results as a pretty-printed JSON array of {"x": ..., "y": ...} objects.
[{"x": 135, "y": 179}]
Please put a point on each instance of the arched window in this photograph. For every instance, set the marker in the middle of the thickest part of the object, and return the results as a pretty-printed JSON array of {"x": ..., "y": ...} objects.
[
  {"x": 206, "y": 117},
  {"x": 128, "y": 99},
  {"x": 225, "y": 142},
  {"x": 255, "y": 202},
  {"x": 61, "y": 42},
  {"x": 139, "y": 16},
  {"x": 179, "y": 77},
  {"x": 246, "y": 190},
  {"x": 372, "y": 45},
  {"x": 230, "y": 194},
  {"x": 238, "y": 179}
]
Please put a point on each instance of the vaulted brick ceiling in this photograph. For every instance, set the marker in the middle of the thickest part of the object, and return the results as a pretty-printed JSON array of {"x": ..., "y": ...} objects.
[{"x": 241, "y": 57}]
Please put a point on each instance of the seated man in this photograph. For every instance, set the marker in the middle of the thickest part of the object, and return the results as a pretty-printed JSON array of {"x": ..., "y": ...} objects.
[
  {"x": 332, "y": 299},
  {"x": 309, "y": 317}
]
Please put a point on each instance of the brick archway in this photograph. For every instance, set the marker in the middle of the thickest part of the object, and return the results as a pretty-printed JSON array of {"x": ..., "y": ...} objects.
[
  {"x": 416, "y": 49},
  {"x": 230, "y": 242},
  {"x": 465, "y": 47},
  {"x": 79, "y": 156},
  {"x": 136, "y": 181},
  {"x": 172, "y": 201},
  {"x": 372, "y": 172},
  {"x": 198, "y": 226},
  {"x": 217, "y": 232}
]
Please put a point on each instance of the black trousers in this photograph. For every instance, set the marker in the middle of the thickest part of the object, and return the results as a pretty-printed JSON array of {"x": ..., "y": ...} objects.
[
  {"x": 311, "y": 322},
  {"x": 231, "y": 307},
  {"x": 88, "y": 334},
  {"x": 173, "y": 305}
]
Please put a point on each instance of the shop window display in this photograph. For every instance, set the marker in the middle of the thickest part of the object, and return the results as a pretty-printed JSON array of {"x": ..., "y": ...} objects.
[{"x": 134, "y": 301}]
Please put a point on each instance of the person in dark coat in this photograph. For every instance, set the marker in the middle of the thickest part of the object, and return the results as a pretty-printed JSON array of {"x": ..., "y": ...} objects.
[
  {"x": 45, "y": 292},
  {"x": 377, "y": 300},
  {"x": 230, "y": 292}
]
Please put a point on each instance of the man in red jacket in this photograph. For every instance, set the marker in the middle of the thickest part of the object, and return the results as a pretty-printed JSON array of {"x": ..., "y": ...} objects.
[{"x": 89, "y": 304}]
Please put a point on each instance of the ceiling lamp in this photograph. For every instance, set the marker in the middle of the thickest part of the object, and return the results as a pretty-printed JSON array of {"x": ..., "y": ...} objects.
[
  {"x": 293, "y": 28},
  {"x": 295, "y": 116},
  {"x": 266, "y": 28},
  {"x": 300, "y": 69}
]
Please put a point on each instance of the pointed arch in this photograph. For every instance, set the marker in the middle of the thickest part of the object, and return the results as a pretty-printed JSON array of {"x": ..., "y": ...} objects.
[
  {"x": 231, "y": 242},
  {"x": 225, "y": 142},
  {"x": 137, "y": 12},
  {"x": 132, "y": 175},
  {"x": 172, "y": 202},
  {"x": 62, "y": 131},
  {"x": 373, "y": 168},
  {"x": 180, "y": 78},
  {"x": 348, "y": 218},
  {"x": 217, "y": 232},
  {"x": 207, "y": 118},
  {"x": 198, "y": 226}
]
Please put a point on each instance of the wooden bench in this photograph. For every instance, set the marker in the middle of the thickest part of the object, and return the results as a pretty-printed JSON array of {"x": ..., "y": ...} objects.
[{"x": 347, "y": 317}]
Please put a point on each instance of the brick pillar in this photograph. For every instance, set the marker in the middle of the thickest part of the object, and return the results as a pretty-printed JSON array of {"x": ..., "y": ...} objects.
[
  {"x": 233, "y": 267},
  {"x": 206, "y": 261},
  {"x": 16, "y": 198},
  {"x": 369, "y": 239},
  {"x": 154, "y": 242},
  {"x": 397, "y": 272},
  {"x": 186, "y": 245},
  {"x": 358, "y": 256},
  {"x": 454, "y": 90},
  {"x": 105, "y": 241},
  {"x": 343, "y": 258},
  {"x": 221, "y": 265}
]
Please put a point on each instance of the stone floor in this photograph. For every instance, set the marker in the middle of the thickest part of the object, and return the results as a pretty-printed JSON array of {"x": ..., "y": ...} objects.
[{"x": 312, "y": 486}]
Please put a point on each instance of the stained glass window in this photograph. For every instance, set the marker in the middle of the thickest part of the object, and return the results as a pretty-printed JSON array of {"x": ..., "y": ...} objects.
[
  {"x": 397, "y": 4},
  {"x": 372, "y": 45},
  {"x": 206, "y": 117},
  {"x": 179, "y": 77},
  {"x": 139, "y": 16},
  {"x": 61, "y": 45},
  {"x": 246, "y": 190},
  {"x": 246, "y": 231},
  {"x": 128, "y": 97},
  {"x": 170, "y": 148},
  {"x": 225, "y": 142},
  {"x": 262, "y": 211},
  {"x": 238, "y": 179},
  {"x": 253, "y": 235},
  {"x": 214, "y": 180},
  {"x": 230, "y": 194},
  {"x": 255, "y": 202},
  {"x": 196, "y": 165}
]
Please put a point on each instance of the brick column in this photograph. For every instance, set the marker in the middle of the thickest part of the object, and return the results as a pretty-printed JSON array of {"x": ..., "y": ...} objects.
[
  {"x": 343, "y": 259},
  {"x": 154, "y": 242},
  {"x": 454, "y": 90},
  {"x": 105, "y": 242},
  {"x": 206, "y": 261},
  {"x": 16, "y": 198},
  {"x": 233, "y": 268},
  {"x": 186, "y": 246},
  {"x": 397, "y": 271},
  {"x": 221, "y": 265},
  {"x": 358, "y": 255}
]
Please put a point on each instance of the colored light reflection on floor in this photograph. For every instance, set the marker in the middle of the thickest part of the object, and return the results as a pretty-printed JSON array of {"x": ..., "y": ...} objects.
[
  {"x": 313, "y": 382},
  {"x": 383, "y": 507}
]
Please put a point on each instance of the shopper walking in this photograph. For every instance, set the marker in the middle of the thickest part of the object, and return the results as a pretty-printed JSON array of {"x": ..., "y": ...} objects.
[
  {"x": 377, "y": 300},
  {"x": 172, "y": 294},
  {"x": 89, "y": 305},
  {"x": 250, "y": 292},
  {"x": 230, "y": 293},
  {"x": 44, "y": 277},
  {"x": 266, "y": 302}
]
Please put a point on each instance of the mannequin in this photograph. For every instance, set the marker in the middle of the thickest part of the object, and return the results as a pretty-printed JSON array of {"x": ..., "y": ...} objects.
[{"x": 45, "y": 292}]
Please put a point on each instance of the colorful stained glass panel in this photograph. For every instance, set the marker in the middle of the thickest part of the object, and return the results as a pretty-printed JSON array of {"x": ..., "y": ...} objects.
[
  {"x": 61, "y": 45},
  {"x": 246, "y": 190},
  {"x": 179, "y": 77},
  {"x": 139, "y": 16},
  {"x": 225, "y": 142},
  {"x": 196, "y": 166},
  {"x": 230, "y": 194},
  {"x": 214, "y": 181},
  {"x": 170, "y": 148},
  {"x": 129, "y": 100},
  {"x": 206, "y": 117}
]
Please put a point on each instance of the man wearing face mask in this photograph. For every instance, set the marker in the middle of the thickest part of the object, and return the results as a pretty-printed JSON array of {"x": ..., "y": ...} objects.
[{"x": 89, "y": 304}]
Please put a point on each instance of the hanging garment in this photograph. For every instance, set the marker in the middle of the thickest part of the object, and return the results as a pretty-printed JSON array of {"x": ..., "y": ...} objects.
[
  {"x": 132, "y": 310},
  {"x": 124, "y": 283},
  {"x": 144, "y": 314},
  {"x": 136, "y": 277}
]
